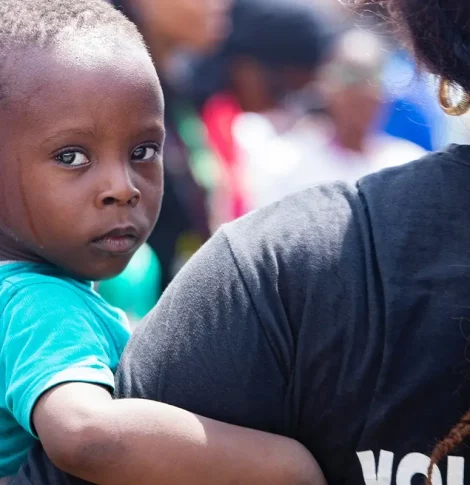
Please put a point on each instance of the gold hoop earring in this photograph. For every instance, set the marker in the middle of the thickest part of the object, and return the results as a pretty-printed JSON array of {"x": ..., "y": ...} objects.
[{"x": 458, "y": 109}]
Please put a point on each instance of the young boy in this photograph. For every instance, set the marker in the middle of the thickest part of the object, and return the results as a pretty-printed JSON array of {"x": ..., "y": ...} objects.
[{"x": 81, "y": 135}]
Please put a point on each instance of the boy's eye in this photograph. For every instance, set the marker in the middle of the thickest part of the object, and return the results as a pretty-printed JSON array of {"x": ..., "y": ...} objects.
[
  {"x": 145, "y": 153},
  {"x": 72, "y": 159}
]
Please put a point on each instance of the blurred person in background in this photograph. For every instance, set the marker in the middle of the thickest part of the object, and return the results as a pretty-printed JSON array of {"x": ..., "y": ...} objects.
[
  {"x": 352, "y": 88},
  {"x": 340, "y": 139},
  {"x": 171, "y": 27},
  {"x": 411, "y": 111},
  {"x": 273, "y": 48}
]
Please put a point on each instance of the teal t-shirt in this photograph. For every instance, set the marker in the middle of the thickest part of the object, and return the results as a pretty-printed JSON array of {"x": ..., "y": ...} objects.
[{"x": 53, "y": 329}]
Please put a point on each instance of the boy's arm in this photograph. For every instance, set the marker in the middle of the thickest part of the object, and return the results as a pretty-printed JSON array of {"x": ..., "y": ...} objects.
[{"x": 130, "y": 441}]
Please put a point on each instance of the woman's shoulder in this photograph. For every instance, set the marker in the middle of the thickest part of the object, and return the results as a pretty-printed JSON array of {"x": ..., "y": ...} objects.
[
  {"x": 426, "y": 170},
  {"x": 322, "y": 223},
  {"x": 308, "y": 248},
  {"x": 312, "y": 217},
  {"x": 424, "y": 195}
]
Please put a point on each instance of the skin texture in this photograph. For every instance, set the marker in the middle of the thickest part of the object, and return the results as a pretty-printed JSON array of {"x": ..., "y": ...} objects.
[
  {"x": 129, "y": 441},
  {"x": 52, "y": 210}
]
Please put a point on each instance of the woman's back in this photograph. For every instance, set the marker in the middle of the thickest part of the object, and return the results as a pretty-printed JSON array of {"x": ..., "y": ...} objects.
[
  {"x": 396, "y": 352},
  {"x": 346, "y": 325}
]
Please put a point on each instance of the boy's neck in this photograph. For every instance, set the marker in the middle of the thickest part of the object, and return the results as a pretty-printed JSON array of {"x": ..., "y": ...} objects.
[{"x": 12, "y": 250}]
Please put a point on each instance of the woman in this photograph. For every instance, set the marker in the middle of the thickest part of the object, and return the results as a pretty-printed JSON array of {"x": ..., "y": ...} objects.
[{"x": 340, "y": 315}]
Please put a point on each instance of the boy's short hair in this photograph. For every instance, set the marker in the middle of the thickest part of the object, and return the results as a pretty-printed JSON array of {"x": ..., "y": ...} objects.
[{"x": 28, "y": 24}]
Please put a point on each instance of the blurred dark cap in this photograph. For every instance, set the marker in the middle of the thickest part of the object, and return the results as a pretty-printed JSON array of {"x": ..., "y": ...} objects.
[
  {"x": 280, "y": 33},
  {"x": 276, "y": 33}
]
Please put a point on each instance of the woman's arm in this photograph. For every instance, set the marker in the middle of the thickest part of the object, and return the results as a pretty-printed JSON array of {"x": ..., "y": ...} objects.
[{"x": 129, "y": 441}]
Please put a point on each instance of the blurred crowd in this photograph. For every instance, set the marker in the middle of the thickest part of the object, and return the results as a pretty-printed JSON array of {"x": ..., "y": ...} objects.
[{"x": 264, "y": 98}]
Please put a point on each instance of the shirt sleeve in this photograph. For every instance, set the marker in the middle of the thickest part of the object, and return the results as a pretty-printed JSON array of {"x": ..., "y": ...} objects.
[
  {"x": 205, "y": 349},
  {"x": 242, "y": 332},
  {"x": 50, "y": 337}
]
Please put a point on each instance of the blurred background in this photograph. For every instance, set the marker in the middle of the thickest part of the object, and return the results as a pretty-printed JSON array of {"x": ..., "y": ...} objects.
[{"x": 265, "y": 98}]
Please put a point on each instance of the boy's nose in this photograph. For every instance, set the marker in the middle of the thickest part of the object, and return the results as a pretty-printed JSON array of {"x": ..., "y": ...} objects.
[
  {"x": 122, "y": 193},
  {"x": 132, "y": 200}
]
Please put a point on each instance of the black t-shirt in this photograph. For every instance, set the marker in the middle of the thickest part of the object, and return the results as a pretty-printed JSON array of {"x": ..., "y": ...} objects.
[{"x": 339, "y": 316}]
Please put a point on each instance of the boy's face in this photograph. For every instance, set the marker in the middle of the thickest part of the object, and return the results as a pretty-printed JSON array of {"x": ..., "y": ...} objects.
[{"x": 82, "y": 135}]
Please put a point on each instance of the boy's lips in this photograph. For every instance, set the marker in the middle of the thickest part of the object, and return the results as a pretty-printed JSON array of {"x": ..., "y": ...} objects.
[{"x": 119, "y": 241}]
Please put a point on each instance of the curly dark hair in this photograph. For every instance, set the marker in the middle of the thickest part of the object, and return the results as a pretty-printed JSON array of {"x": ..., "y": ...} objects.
[
  {"x": 437, "y": 32},
  {"x": 26, "y": 24}
]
